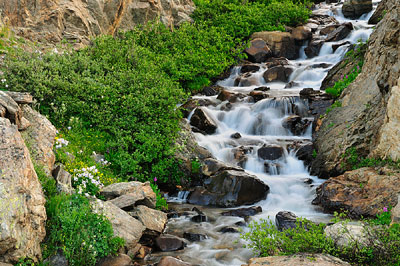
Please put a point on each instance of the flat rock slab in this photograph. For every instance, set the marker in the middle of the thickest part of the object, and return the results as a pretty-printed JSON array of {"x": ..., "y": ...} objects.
[{"x": 301, "y": 259}]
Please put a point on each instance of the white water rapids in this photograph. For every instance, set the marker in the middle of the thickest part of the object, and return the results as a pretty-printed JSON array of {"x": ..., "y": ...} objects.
[{"x": 261, "y": 123}]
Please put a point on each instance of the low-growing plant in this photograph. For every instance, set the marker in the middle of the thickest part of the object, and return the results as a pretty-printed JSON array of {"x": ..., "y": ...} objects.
[
  {"x": 352, "y": 160},
  {"x": 83, "y": 237}
]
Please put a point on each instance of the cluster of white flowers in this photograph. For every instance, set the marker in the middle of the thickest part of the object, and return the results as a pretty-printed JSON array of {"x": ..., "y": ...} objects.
[
  {"x": 60, "y": 142},
  {"x": 87, "y": 176},
  {"x": 4, "y": 81},
  {"x": 104, "y": 162}
]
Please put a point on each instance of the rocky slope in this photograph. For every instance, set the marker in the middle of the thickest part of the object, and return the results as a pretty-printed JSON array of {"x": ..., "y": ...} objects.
[
  {"x": 79, "y": 20},
  {"x": 369, "y": 117}
]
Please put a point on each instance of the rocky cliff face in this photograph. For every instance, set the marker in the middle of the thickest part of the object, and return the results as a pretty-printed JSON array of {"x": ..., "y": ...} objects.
[
  {"x": 369, "y": 117},
  {"x": 22, "y": 211},
  {"x": 79, "y": 20}
]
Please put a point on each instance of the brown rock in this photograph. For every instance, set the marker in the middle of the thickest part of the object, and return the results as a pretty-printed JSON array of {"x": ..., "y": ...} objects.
[
  {"x": 379, "y": 13},
  {"x": 203, "y": 121},
  {"x": 22, "y": 210},
  {"x": 135, "y": 191},
  {"x": 301, "y": 33},
  {"x": 119, "y": 260},
  {"x": 278, "y": 73},
  {"x": 63, "y": 180},
  {"x": 13, "y": 111},
  {"x": 281, "y": 43},
  {"x": 169, "y": 243},
  {"x": 258, "y": 51},
  {"x": 152, "y": 219},
  {"x": 249, "y": 68},
  {"x": 301, "y": 259},
  {"x": 171, "y": 261},
  {"x": 123, "y": 224},
  {"x": 143, "y": 252},
  {"x": 353, "y": 9},
  {"x": 271, "y": 152},
  {"x": 21, "y": 97},
  {"x": 258, "y": 95},
  {"x": 328, "y": 29},
  {"x": 41, "y": 137},
  {"x": 79, "y": 20},
  {"x": 363, "y": 192},
  {"x": 313, "y": 48},
  {"x": 340, "y": 33}
]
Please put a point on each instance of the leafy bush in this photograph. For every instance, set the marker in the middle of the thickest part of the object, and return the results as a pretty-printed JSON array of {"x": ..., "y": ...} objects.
[
  {"x": 345, "y": 81},
  {"x": 382, "y": 247},
  {"x": 352, "y": 161},
  {"x": 83, "y": 236}
]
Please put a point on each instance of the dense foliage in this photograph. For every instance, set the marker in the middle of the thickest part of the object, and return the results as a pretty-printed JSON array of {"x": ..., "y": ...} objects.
[
  {"x": 128, "y": 87},
  {"x": 380, "y": 249},
  {"x": 83, "y": 236}
]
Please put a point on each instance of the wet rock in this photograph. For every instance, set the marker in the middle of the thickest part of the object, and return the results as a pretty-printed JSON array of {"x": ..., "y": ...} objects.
[
  {"x": 193, "y": 237},
  {"x": 199, "y": 218},
  {"x": 243, "y": 212},
  {"x": 63, "y": 180},
  {"x": 301, "y": 34},
  {"x": 271, "y": 152},
  {"x": 272, "y": 168},
  {"x": 236, "y": 135},
  {"x": 245, "y": 80},
  {"x": 277, "y": 61},
  {"x": 22, "y": 209},
  {"x": 300, "y": 259},
  {"x": 211, "y": 90},
  {"x": 240, "y": 155},
  {"x": 249, "y": 68},
  {"x": 278, "y": 73},
  {"x": 225, "y": 95},
  {"x": 230, "y": 188},
  {"x": 203, "y": 121},
  {"x": 285, "y": 220},
  {"x": 362, "y": 192},
  {"x": 282, "y": 44},
  {"x": 228, "y": 229},
  {"x": 379, "y": 13},
  {"x": 132, "y": 191},
  {"x": 41, "y": 136},
  {"x": 336, "y": 46},
  {"x": 192, "y": 104},
  {"x": 124, "y": 225},
  {"x": 291, "y": 85},
  {"x": 321, "y": 65},
  {"x": 308, "y": 181},
  {"x": 171, "y": 261},
  {"x": 153, "y": 220},
  {"x": 305, "y": 153},
  {"x": 119, "y": 260},
  {"x": 258, "y": 96},
  {"x": 169, "y": 243},
  {"x": 328, "y": 29},
  {"x": 262, "y": 89},
  {"x": 340, "y": 33},
  {"x": 345, "y": 234},
  {"x": 212, "y": 166},
  {"x": 312, "y": 26},
  {"x": 258, "y": 51},
  {"x": 313, "y": 48},
  {"x": 353, "y": 9},
  {"x": 143, "y": 252},
  {"x": 296, "y": 124}
]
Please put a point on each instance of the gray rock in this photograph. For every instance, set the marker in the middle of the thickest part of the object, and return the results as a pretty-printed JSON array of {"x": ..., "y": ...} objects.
[
  {"x": 152, "y": 219},
  {"x": 258, "y": 51},
  {"x": 203, "y": 121},
  {"x": 277, "y": 73},
  {"x": 300, "y": 259},
  {"x": 169, "y": 243},
  {"x": 355, "y": 8},
  {"x": 347, "y": 234},
  {"x": 21, "y": 97},
  {"x": 63, "y": 180},
  {"x": 270, "y": 152}
]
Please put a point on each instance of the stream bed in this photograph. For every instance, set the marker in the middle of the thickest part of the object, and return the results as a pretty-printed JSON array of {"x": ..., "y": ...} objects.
[{"x": 256, "y": 125}]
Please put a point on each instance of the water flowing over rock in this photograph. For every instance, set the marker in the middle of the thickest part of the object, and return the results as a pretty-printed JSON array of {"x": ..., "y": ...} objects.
[
  {"x": 340, "y": 33},
  {"x": 280, "y": 43},
  {"x": 277, "y": 73},
  {"x": 366, "y": 119},
  {"x": 22, "y": 211},
  {"x": 355, "y": 8},
  {"x": 230, "y": 188},
  {"x": 258, "y": 51},
  {"x": 301, "y": 259},
  {"x": 79, "y": 20},
  {"x": 363, "y": 192}
]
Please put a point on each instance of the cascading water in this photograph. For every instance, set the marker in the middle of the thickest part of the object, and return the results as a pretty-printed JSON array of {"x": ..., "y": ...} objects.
[{"x": 261, "y": 124}]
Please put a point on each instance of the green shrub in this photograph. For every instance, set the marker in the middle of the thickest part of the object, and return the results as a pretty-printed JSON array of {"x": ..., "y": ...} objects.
[
  {"x": 352, "y": 161},
  {"x": 83, "y": 236},
  {"x": 345, "y": 81}
]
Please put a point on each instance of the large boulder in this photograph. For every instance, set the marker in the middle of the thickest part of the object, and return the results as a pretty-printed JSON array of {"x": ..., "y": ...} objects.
[
  {"x": 282, "y": 44},
  {"x": 379, "y": 13},
  {"x": 80, "y": 20},
  {"x": 277, "y": 73},
  {"x": 22, "y": 211},
  {"x": 362, "y": 192},
  {"x": 345, "y": 234},
  {"x": 301, "y": 34},
  {"x": 340, "y": 33},
  {"x": 296, "y": 125},
  {"x": 270, "y": 152},
  {"x": 230, "y": 188},
  {"x": 285, "y": 220},
  {"x": 366, "y": 121},
  {"x": 132, "y": 193},
  {"x": 301, "y": 259},
  {"x": 124, "y": 225},
  {"x": 169, "y": 243},
  {"x": 201, "y": 120},
  {"x": 258, "y": 51},
  {"x": 313, "y": 48},
  {"x": 153, "y": 220},
  {"x": 355, "y": 8}
]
